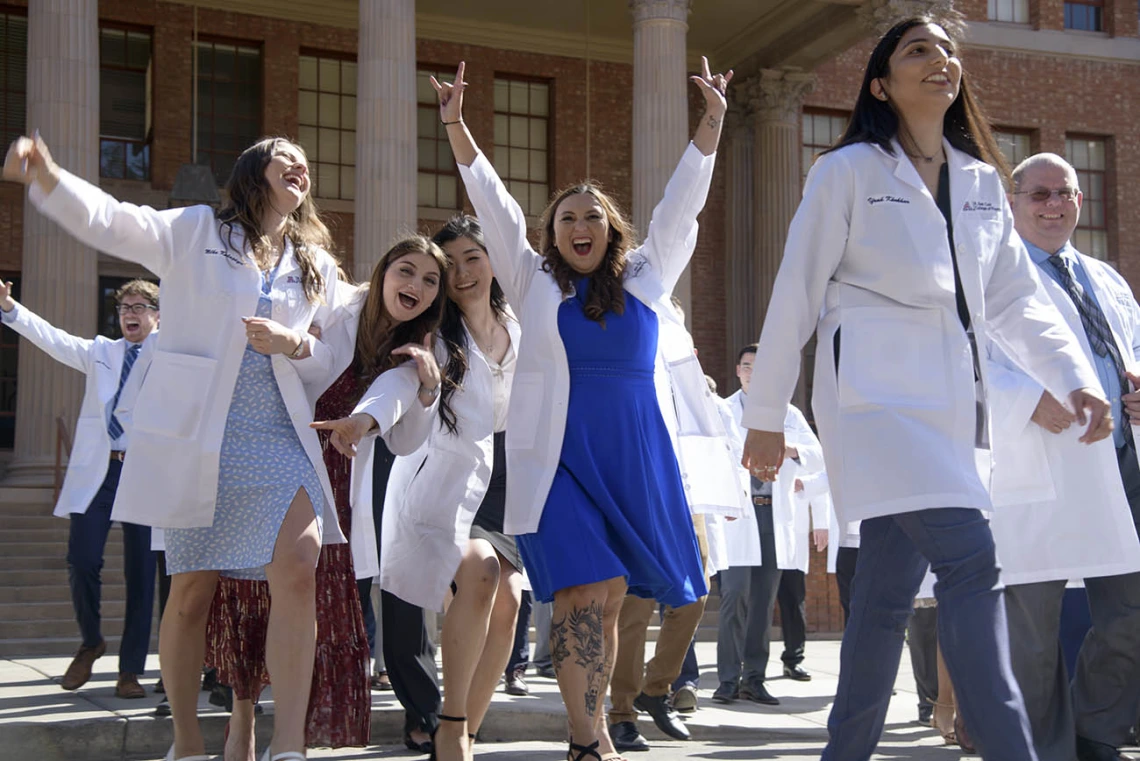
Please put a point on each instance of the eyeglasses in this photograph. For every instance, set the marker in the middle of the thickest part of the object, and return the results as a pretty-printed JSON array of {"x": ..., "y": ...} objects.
[
  {"x": 1041, "y": 195},
  {"x": 135, "y": 309}
]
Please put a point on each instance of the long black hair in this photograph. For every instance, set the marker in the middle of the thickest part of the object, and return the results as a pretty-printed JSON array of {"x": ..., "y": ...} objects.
[
  {"x": 874, "y": 121},
  {"x": 451, "y": 328}
]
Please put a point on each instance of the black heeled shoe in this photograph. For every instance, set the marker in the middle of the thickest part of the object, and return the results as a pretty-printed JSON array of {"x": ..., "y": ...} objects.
[
  {"x": 425, "y": 747},
  {"x": 583, "y": 751},
  {"x": 444, "y": 717}
]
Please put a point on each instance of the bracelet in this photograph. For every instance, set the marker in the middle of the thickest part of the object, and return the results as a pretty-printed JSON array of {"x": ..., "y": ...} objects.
[
  {"x": 431, "y": 392},
  {"x": 299, "y": 350},
  {"x": 448, "y": 124}
]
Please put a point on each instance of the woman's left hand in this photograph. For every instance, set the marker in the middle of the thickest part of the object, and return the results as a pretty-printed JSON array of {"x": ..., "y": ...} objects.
[
  {"x": 347, "y": 431},
  {"x": 713, "y": 87},
  {"x": 426, "y": 365},
  {"x": 763, "y": 453},
  {"x": 270, "y": 337}
]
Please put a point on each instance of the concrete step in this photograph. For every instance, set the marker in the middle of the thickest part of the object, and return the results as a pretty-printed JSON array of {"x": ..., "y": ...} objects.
[
  {"x": 52, "y": 628},
  {"x": 57, "y": 611},
  {"x": 52, "y": 593},
  {"x": 33, "y": 577},
  {"x": 47, "y": 520},
  {"x": 53, "y": 560}
]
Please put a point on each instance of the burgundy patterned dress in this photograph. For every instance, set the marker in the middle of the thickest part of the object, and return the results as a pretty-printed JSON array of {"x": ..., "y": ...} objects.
[{"x": 340, "y": 702}]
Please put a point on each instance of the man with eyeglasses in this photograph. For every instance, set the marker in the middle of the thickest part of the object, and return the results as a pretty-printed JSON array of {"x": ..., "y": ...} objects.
[
  {"x": 114, "y": 370},
  {"x": 1063, "y": 510}
]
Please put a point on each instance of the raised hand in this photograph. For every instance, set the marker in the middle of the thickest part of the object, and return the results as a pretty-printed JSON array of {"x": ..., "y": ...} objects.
[
  {"x": 346, "y": 432},
  {"x": 451, "y": 96},
  {"x": 426, "y": 366},
  {"x": 713, "y": 87},
  {"x": 29, "y": 161},
  {"x": 7, "y": 303}
]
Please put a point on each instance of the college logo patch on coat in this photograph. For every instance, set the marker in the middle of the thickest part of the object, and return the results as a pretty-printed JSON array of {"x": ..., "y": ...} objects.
[{"x": 984, "y": 206}]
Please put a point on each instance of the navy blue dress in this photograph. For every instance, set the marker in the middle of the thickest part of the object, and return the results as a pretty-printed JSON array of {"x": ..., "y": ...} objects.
[{"x": 617, "y": 506}]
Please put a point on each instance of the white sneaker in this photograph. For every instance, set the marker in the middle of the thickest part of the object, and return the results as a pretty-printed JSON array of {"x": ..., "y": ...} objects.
[{"x": 685, "y": 699}]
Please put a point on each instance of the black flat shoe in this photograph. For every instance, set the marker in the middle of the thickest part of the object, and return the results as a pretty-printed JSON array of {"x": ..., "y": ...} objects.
[
  {"x": 758, "y": 693},
  {"x": 626, "y": 737},
  {"x": 666, "y": 719},
  {"x": 425, "y": 747},
  {"x": 797, "y": 673}
]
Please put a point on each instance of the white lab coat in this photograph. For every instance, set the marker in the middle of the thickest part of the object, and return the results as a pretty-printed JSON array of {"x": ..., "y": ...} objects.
[
  {"x": 817, "y": 490},
  {"x": 714, "y": 523},
  {"x": 101, "y": 361},
  {"x": 391, "y": 399},
  {"x": 789, "y": 512},
  {"x": 542, "y": 379},
  {"x": 868, "y": 246},
  {"x": 1060, "y": 508},
  {"x": 433, "y": 494},
  {"x": 206, "y": 288}
]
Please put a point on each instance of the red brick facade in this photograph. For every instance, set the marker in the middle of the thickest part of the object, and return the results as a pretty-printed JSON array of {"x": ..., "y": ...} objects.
[{"x": 591, "y": 135}]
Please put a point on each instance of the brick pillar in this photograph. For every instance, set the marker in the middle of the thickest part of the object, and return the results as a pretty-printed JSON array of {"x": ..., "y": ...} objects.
[
  {"x": 660, "y": 108},
  {"x": 385, "y": 130},
  {"x": 59, "y": 278}
]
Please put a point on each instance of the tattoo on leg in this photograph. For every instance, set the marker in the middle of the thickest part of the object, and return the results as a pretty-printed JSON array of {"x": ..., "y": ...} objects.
[
  {"x": 558, "y": 649},
  {"x": 589, "y": 650}
]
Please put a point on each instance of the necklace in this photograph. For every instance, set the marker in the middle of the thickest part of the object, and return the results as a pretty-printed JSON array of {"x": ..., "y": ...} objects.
[{"x": 919, "y": 155}]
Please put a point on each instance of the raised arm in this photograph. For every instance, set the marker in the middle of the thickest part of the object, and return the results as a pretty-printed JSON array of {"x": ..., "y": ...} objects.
[
  {"x": 136, "y": 233},
  {"x": 58, "y": 344},
  {"x": 504, "y": 224}
]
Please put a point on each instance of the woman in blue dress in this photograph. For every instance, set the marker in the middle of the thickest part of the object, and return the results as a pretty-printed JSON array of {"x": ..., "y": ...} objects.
[{"x": 596, "y": 491}]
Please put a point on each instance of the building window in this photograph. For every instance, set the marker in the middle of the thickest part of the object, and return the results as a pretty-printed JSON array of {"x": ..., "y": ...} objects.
[
  {"x": 821, "y": 130},
  {"x": 326, "y": 123},
  {"x": 1087, "y": 155},
  {"x": 13, "y": 76},
  {"x": 437, "y": 178},
  {"x": 1014, "y": 145},
  {"x": 1086, "y": 15},
  {"x": 9, "y": 355},
  {"x": 1013, "y": 11},
  {"x": 124, "y": 103},
  {"x": 522, "y": 140},
  {"x": 229, "y": 103}
]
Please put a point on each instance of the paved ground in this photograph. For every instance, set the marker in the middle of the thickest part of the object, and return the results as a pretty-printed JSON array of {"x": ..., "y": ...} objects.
[{"x": 39, "y": 721}]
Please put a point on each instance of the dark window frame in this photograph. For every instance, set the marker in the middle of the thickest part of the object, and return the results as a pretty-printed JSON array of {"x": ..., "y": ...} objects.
[
  {"x": 342, "y": 193},
  {"x": 1106, "y": 176},
  {"x": 145, "y": 144},
  {"x": 206, "y": 107},
  {"x": 1085, "y": 15},
  {"x": 7, "y": 94},
  {"x": 550, "y": 142},
  {"x": 439, "y": 141}
]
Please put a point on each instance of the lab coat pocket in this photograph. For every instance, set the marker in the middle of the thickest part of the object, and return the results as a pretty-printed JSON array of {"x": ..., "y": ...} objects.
[
  {"x": 174, "y": 397},
  {"x": 437, "y": 491},
  {"x": 893, "y": 357},
  {"x": 527, "y": 394},
  {"x": 86, "y": 453}
]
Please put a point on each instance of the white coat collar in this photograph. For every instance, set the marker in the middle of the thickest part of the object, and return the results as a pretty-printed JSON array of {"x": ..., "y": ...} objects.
[{"x": 964, "y": 170}]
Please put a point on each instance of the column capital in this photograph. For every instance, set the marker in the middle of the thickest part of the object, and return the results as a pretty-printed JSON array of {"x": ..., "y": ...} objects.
[
  {"x": 877, "y": 16},
  {"x": 739, "y": 115},
  {"x": 777, "y": 95},
  {"x": 660, "y": 10}
]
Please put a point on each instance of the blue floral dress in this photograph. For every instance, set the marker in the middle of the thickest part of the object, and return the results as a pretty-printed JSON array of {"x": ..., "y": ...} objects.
[{"x": 262, "y": 466}]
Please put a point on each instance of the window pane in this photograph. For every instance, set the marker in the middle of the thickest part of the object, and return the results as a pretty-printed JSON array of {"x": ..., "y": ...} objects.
[
  {"x": 539, "y": 99},
  {"x": 112, "y": 47},
  {"x": 426, "y": 151},
  {"x": 348, "y": 78},
  {"x": 307, "y": 73},
  {"x": 538, "y": 197},
  {"x": 425, "y": 187},
  {"x": 499, "y": 161},
  {"x": 348, "y": 112},
  {"x": 307, "y": 137},
  {"x": 306, "y": 107},
  {"x": 502, "y": 95},
  {"x": 348, "y": 183},
  {"x": 328, "y": 180},
  {"x": 112, "y": 159},
  {"x": 425, "y": 93},
  {"x": 328, "y": 75},
  {"x": 520, "y": 132},
  {"x": 520, "y": 163},
  {"x": 538, "y": 133},
  {"x": 502, "y": 134},
  {"x": 444, "y": 157},
  {"x": 328, "y": 145},
  {"x": 520, "y": 98},
  {"x": 348, "y": 147},
  {"x": 538, "y": 165},
  {"x": 446, "y": 197}
]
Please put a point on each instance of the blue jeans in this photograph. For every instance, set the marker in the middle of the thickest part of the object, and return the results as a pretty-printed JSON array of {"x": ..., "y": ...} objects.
[{"x": 972, "y": 630}]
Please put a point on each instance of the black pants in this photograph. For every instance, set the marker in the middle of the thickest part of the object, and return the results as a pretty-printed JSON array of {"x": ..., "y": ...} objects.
[
  {"x": 845, "y": 562},
  {"x": 922, "y": 642},
  {"x": 409, "y": 654},
  {"x": 790, "y": 596},
  {"x": 520, "y": 652},
  {"x": 86, "y": 542}
]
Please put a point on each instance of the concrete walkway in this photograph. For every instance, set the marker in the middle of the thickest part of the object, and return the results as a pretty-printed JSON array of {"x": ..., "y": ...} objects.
[{"x": 41, "y": 722}]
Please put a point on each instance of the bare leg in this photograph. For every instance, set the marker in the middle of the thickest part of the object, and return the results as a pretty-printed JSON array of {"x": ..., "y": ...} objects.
[
  {"x": 464, "y": 634},
  {"x": 241, "y": 741},
  {"x": 610, "y": 625},
  {"x": 584, "y": 618},
  {"x": 945, "y": 707},
  {"x": 291, "y": 641},
  {"x": 497, "y": 648},
  {"x": 181, "y": 648}
]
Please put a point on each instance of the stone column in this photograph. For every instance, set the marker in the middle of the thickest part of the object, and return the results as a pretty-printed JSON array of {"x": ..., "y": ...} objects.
[
  {"x": 58, "y": 277},
  {"x": 777, "y": 100},
  {"x": 385, "y": 130},
  {"x": 742, "y": 320},
  {"x": 660, "y": 107}
]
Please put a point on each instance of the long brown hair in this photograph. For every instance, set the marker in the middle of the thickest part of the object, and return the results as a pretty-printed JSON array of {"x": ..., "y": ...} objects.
[
  {"x": 606, "y": 293},
  {"x": 376, "y": 334},
  {"x": 249, "y": 195},
  {"x": 965, "y": 125}
]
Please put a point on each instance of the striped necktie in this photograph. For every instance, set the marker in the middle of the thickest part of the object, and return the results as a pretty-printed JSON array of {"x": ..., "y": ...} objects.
[
  {"x": 114, "y": 427},
  {"x": 1095, "y": 325}
]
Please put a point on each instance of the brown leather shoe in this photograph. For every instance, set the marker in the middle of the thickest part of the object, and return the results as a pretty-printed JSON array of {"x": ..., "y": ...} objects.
[
  {"x": 128, "y": 687},
  {"x": 80, "y": 669}
]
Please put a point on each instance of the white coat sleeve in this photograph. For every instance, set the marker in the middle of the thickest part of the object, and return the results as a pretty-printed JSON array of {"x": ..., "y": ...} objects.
[
  {"x": 803, "y": 438},
  {"x": 138, "y": 234},
  {"x": 390, "y": 398},
  {"x": 672, "y": 235},
  {"x": 1026, "y": 324},
  {"x": 58, "y": 344},
  {"x": 817, "y": 240},
  {"x": 504, "y": 229},
  {"x": 1011, "y": 393},
  {"x": 415, "y": 426}
]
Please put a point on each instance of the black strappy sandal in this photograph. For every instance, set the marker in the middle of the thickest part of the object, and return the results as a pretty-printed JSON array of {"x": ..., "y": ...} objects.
[
  {"x": 443, "y": 717},
  {"x": 583, "y": 751}
]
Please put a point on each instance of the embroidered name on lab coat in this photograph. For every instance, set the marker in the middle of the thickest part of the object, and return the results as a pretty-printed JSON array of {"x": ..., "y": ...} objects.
[
  {"x": 984, "y": 206},
  {"x": 873, "y": 200},
  {"x": 223, "y": 252}
]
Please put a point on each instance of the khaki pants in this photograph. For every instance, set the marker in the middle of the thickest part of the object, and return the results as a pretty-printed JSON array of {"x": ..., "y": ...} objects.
[{"x": 632, "y": 675}]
